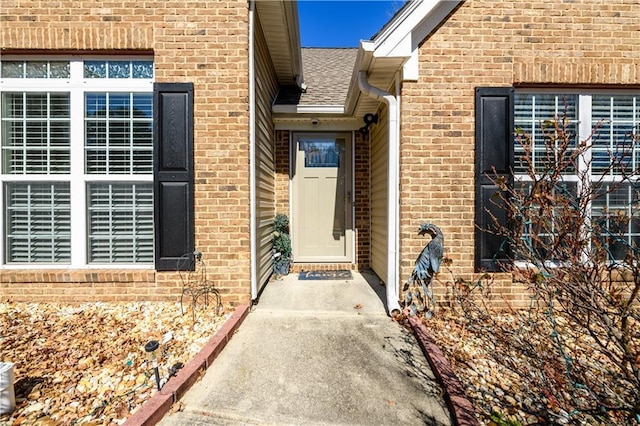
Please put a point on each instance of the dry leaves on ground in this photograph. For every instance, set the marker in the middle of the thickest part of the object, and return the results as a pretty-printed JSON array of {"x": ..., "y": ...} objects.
[
  {"x": 86, "y": 364},
  {"x": 498, "y": 393}
]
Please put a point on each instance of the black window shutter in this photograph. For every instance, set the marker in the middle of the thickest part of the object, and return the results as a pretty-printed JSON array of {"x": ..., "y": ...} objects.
[
  {"x": 173, "y": 174},
  {"x": 494, "y": 159}
]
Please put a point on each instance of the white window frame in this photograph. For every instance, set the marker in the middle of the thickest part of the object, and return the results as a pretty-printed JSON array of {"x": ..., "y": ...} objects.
[
  {"x": 76, "y": 86},
  {"x": 585, "y": 128}
]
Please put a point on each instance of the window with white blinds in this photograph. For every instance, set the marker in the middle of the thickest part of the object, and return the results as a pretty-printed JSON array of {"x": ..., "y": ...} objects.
[
  {"x": 120, "y": 222},
  {"x": 532, "y": 113},
  {"x": 38, "y": 217},
  {"x": 118, "y": 129},
  {"x": 77, "y": 148},
  {"x": 613, "y": 119},
  {"x": 35, "y": 133}
]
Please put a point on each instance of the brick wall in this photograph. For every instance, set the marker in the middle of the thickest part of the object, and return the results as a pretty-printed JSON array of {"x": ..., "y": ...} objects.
[
  {"x": 362, "y": 198},
  {"x": 74, "y": 286},
  {"x": 282, "y": 171},
  {"x": 495, "y": 43},
  {"x": 201, "y": 42}
]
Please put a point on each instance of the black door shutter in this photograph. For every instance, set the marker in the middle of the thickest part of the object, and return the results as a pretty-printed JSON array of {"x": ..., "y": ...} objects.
[
  {"x": 173, "y": 173},
  {"x": 494, "y": 159}
]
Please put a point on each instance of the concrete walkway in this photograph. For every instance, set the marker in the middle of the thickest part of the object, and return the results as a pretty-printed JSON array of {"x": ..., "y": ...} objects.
[{"x": 317, "y": 353}]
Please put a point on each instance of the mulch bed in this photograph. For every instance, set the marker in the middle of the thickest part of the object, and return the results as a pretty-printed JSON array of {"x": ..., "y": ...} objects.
[{"x": 86, "y": 364}]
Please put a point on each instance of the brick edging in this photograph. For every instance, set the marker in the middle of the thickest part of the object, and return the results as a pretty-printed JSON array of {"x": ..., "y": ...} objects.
[
  {"x": 459, "y": 405},
  {"x": 155, "y": 408}
]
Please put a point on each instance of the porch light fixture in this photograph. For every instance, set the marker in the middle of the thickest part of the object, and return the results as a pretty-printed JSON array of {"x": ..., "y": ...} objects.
[{"x": 368, "y": 119}]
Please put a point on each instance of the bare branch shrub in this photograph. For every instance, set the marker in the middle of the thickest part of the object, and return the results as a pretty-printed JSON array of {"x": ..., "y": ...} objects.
[{"x": 576, "y": 349}]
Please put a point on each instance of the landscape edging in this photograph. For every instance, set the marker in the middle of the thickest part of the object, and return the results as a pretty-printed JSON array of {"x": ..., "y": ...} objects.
[
  {"x": 462, "y": 411},
  {"x": 153, "y": 410}
]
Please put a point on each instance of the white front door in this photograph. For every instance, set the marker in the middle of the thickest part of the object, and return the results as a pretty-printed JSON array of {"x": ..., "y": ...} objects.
[{"x": 322, "y": 198}]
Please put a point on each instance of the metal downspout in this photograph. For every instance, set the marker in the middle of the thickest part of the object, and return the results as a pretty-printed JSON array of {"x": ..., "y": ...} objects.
[
  {"x": 392, "y": 220},
  {"x": 252, "y": 153}
]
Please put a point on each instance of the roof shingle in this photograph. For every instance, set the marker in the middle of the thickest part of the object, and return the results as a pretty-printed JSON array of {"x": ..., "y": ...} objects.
[{"x": 327, "y": 74}]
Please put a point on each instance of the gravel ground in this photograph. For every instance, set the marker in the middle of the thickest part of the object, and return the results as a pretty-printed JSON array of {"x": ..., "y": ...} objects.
[
  {"x": 504, "y": 386},
  {"x": 86, "y": 364}
]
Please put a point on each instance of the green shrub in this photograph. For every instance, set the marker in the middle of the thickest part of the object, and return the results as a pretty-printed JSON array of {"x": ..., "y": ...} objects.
[{"x": 281, "y": 241}]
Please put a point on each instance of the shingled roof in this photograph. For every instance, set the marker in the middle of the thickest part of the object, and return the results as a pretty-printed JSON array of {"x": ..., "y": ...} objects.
[{"x": 327, "y": 73}]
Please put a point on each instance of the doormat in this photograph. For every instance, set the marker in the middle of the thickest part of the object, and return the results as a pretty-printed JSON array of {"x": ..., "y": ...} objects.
[{"x": 325, "y": 275}]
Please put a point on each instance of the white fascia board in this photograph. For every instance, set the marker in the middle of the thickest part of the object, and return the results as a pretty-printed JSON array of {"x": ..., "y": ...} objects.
[
  {"x": 395, "y": 40},
  {"x": 363, "y": 62},
  {"x": 411, "y": 27},
  {"x": 408, "y": 30},
  {"x": 411, "y": 68},
  {"x": 367, "y": 46},
  {"x": 293, "y": 27},
  {"x": 308, "y": 109}
]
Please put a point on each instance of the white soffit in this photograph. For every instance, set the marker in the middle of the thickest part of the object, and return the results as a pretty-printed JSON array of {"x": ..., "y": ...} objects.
[{"x": 279, "y": 21}]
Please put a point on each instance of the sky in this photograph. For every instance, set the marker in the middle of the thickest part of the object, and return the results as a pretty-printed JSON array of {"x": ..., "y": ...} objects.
[{"x": 342, "y": 23}]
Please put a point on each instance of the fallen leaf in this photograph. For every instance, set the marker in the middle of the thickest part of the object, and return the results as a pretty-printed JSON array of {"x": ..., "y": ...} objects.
[{"x": 177, "y": 406}]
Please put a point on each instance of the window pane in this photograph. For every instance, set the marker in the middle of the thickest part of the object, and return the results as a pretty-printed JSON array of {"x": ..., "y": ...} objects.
[
  {"x": 119, "y": 105},
  {"x": 12, "y": 69},
  {"x": 95, "y": 69},
  {"x": 120, "y": 223},
  {"x": 59, "y": 105},
  {"x": 119, "y": 161},
  {"x": 37, "y": 105},
  {"x": 120, "y": 140},
  {"x": 36, "y": 134},
  {"x": 615, "y": 217},
  {"x": 36, "y": 69},
  {"x": 546, "y": 234},
  {"x": 142, "y": 105},
  {"x": 537, "y": 142},
  {"x": 119, "y": 69},
  {"x": 12, "y": 133},
  {"x": 95, "y": 105},
  {"x": 59, "y": 133},
  {"x": 12, "y": 105},
  {"x": 36, "y": 139},
  {"x": 59, "y": 69},
  {"x": 615, "y": 119},
  {"x": 119, "y": 133},
  {"x": 38, "y": 223},
  {"x": 142, "y": 69}
]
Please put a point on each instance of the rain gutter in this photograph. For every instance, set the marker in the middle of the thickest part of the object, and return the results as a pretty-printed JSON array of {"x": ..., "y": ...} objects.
[
  {"x": 392, "y": 191},
  {"x": 252, "y": 153}
]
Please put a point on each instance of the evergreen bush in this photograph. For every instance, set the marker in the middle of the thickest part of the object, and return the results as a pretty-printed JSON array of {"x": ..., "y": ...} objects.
[{"x": 281, "y": 241}]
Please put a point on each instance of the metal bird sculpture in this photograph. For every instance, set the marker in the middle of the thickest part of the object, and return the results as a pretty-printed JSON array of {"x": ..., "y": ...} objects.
[{"x": 418, "y": 295}]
